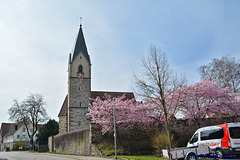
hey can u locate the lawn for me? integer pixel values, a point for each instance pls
(140, 157)
(150, 157)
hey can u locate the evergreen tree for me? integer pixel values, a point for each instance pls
(49, 129)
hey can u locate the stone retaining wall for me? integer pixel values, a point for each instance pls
(77, 142)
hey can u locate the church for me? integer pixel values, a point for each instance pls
(72, 115)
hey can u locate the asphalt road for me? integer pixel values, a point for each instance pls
(43, 156)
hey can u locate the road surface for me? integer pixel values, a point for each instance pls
(43, 156)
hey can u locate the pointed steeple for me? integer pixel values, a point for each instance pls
(80, 46)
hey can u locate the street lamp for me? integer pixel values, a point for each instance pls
(114, 124)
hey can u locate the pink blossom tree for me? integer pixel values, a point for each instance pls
(226, 104)
(206, 98)
(129, 113)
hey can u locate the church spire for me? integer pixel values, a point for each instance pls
(80, 46)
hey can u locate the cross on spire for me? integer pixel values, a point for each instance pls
(80, 21)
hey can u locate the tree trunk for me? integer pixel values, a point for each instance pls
(31, 143)
(169, 134)
(167, 128)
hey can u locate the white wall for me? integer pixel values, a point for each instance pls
(19, 135)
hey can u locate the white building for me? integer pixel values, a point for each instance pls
(12, 133)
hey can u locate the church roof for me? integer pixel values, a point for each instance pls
(80, 46)
(95, 94)
(63, 111)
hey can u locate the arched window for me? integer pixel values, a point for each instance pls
(80, 69)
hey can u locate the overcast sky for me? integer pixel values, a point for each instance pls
(36, 37)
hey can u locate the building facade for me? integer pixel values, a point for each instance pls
(12, 133)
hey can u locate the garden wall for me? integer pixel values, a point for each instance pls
(77, 142)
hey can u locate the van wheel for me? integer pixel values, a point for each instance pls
(219, 153)
(191, 156)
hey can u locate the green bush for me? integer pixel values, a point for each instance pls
(18, 144)
(161, 141)
(109, 148)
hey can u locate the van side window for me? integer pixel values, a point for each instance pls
(212, 134)
(234, 132)
(195, 138)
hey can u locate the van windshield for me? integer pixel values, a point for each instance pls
(234, 132)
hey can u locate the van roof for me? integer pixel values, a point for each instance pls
(209, 128)
(219, 126)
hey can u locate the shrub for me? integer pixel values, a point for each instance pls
(160, 141)
(109, 148)
(18, 144)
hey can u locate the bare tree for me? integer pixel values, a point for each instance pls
(159, 86)
(31, 112)
(226, 72)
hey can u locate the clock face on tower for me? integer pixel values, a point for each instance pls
(80, 75)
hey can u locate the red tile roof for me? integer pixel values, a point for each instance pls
(63, 111)
(5, 127)
(95, 94)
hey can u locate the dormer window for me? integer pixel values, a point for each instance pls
(80, 69)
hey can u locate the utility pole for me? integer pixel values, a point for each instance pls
(114, 124)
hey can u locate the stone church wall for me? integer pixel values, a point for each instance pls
(79, 91)
(79, 94)
(78, 119)
(62, 124)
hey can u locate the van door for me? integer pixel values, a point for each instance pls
(212, 137)
(194, 140)
(234, 135)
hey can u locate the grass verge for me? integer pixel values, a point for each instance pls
(32, 151)
(150, 157)
(58, 153)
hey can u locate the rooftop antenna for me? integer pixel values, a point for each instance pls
(80, 21)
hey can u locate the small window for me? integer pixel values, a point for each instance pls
(195, 138)
(23, 136)
(18, 136)
(24, 129)
(234, 132)
(80, 104)
(80, 69)
(79, 123)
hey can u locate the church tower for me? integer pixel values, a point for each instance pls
(79, 85)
